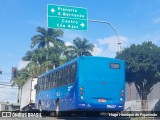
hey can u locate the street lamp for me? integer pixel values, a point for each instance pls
(119, 43)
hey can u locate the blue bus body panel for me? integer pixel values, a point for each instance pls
(65, 95)
(99, 83)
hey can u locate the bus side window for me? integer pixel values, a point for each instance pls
(67, 80)
(74, 68)
(42, 84)
(68, 70)
(65, 71)
(61, 74)
(70, 74)
(40, 80)
(58, 80)
(47, 80)
(61, 77)
(64, 77)
(52, 80)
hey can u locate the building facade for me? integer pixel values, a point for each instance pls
(133, 101)
(6, 106)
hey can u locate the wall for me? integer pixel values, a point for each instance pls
(133, 98)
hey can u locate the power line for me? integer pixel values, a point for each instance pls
(8, 87)
(7, 73)
(7, 84)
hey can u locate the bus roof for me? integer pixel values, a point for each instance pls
(74, 60)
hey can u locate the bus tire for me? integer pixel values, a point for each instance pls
(58, 113)
(40, 107)
(92, 114)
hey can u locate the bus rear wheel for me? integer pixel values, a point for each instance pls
(40, 107)
(58, 113)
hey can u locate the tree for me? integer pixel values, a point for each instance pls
(142, 67)
(69, 53)
(47, 38)
(79, 48)
(37, 55)
(56, 54)
(21, 77)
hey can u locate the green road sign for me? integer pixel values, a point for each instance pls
(67, 17)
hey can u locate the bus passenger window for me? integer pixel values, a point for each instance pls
(53, 83)
(74, 67)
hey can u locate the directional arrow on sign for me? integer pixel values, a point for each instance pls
(52, 10)
(82, 24)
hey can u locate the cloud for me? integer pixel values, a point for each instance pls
(68, 43)
(108, 46)
(101, 51)
(70, 35)
(22, 64)
(98, 50)
(8, 94)
(112, 41)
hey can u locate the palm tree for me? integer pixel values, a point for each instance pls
(79, 48)
(37, 55)
(21, 78)
(69, 53)
(47, 38)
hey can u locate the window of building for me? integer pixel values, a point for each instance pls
(6, 107)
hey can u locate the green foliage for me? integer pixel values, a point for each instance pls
(21, 77)
(81, 47)
(49, 51)
(142, 66)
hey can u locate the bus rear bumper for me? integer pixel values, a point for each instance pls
(100, 107)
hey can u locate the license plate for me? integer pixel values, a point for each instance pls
(101, 100)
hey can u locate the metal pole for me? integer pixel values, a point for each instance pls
(119, 43)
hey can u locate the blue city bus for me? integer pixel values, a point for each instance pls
(86, 83)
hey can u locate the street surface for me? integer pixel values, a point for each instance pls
(75, 118)
(66, 118)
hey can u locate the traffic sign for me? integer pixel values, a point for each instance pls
(67, 17)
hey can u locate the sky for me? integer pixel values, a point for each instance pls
(136, 21)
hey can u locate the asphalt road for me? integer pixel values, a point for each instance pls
(66, 118)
